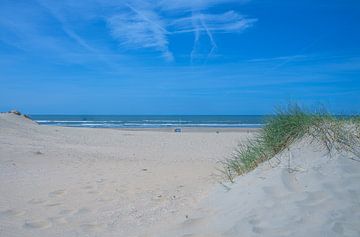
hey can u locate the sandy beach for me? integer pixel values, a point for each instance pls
(179, 118)
(58, 181)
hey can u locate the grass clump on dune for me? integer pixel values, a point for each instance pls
(288, 126)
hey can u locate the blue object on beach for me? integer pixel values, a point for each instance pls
(177, 130)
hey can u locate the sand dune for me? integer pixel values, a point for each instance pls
(302, 192)
(101, 182)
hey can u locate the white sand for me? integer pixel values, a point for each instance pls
(102, 182)
(313, 195)
(58, 181)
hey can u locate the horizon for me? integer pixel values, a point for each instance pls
(178, 58)
(164, 115)
(148, 114)
(159, 121)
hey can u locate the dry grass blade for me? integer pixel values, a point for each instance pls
(288, 126)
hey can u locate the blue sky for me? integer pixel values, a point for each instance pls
(178, 57)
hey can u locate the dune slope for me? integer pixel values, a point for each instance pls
(302, 192)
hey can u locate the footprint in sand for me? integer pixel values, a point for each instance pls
(93, 226)
(273, 191)
(36, 201)
(257, 230)
(254, 221)
(57, 193)
(88, 187)
(190, 222)
(275, 195)
(67, 212)
(91, 189)
(277, 231)
(37, 224)
(338, 228)
(59, 220)
(54, 204)
(289, 181)
(82, 211)
(12, 213)
(313, 199)
(105, 199)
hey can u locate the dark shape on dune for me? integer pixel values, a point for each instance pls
(13, 111)
(177, 130)
(16, 112)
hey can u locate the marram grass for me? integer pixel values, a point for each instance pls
(288, 126)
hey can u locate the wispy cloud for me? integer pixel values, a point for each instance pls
(227, 22)
(193, 5)
(149, 26)
(134, 25)
(210, 24)
(140, 28)
(66, 28)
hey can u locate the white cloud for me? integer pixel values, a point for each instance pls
(138, 28)
(193, 5)
(134, 24)
(142, 25)
(227, 22)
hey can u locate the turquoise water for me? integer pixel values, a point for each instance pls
(152, 121)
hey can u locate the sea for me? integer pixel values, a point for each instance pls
(152, 121)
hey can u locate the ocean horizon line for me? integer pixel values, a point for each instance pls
(152, 121)
(65, 114)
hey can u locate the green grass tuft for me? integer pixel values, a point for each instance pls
(289, 125)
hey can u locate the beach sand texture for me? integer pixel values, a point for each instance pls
(58, 181)
(301, 192)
